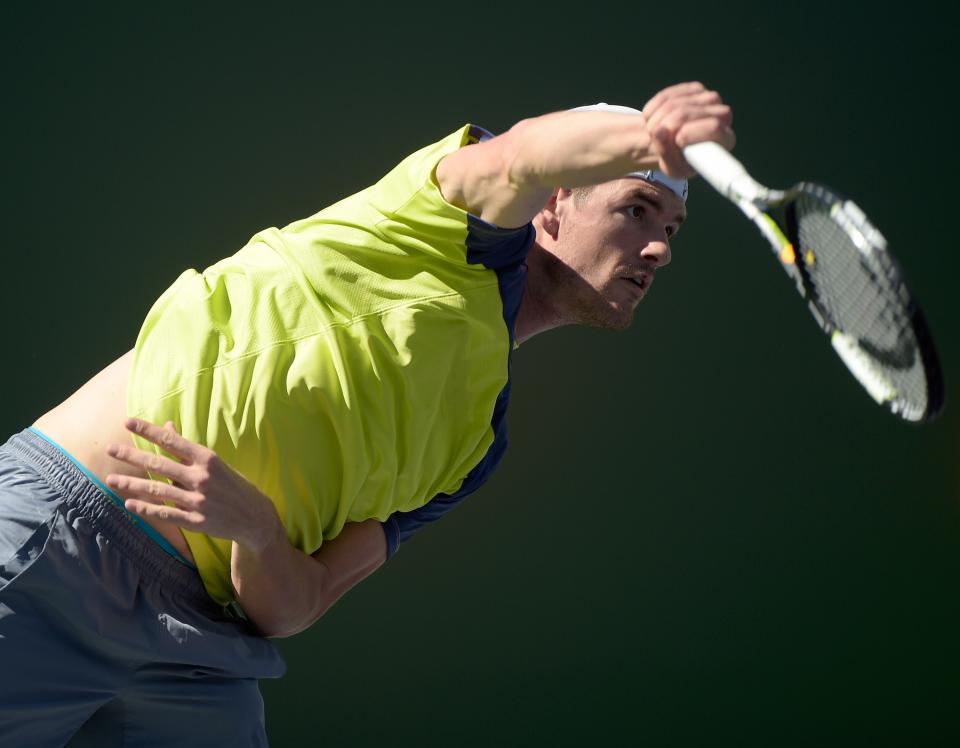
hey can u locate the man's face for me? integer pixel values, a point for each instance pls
(609, 243)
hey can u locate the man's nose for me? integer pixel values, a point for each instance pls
(656, 253)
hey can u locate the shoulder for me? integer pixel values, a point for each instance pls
(484, 180)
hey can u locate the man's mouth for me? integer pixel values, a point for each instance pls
(641, 281)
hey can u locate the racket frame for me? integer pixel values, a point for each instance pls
(730, 178)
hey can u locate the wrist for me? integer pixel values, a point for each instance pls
(265, 533)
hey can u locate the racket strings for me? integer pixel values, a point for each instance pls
(857, 290)
(852, 292)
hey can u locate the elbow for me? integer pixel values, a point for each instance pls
(279, 632)
(275, 632)
(287, 614)
(273, 625)
(283, 626)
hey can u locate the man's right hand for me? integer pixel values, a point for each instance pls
(682, 115)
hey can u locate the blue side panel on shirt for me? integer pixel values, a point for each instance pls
(505, 252)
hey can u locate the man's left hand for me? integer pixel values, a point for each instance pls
(206, 495)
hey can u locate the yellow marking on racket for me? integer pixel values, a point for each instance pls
(810, 257)
(788, 255)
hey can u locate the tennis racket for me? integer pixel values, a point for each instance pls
(852, 284)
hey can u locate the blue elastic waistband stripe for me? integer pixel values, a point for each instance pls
(138, 521)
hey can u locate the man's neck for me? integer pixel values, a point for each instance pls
(538, 312)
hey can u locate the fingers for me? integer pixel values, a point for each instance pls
(671, 119)
(697, 132)
(684, 108)
(672, 162)
(680, 89)
(152, 491)
(684, 114)
(167, 438)
(153, 463)
(185, 519)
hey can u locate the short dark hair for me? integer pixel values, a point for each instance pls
(582, 194)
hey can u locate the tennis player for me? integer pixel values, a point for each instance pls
(292, 414)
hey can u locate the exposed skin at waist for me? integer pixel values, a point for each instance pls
(93, 417)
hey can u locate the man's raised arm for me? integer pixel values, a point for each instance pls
(507, 180)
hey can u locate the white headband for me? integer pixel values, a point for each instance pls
(678, 187)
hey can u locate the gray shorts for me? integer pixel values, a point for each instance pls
(99, 625)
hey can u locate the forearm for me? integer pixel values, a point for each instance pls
(507, 180)
(283, 590)
(572, 149)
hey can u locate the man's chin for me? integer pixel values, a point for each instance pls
(609, 318)
(622, 324)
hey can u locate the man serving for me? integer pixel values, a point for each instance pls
(293, 413)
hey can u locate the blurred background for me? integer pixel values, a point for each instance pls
(704, 531)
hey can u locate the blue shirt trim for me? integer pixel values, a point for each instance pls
(151, 533)
(505, 252)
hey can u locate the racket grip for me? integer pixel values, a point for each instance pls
(728, 176)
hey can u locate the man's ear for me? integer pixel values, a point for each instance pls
(550, 213)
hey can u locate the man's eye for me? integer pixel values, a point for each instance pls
(636, 211)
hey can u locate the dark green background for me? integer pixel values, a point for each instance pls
(704, 532)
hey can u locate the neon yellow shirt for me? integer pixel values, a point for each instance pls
(349, 365)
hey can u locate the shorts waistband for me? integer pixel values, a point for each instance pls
(138, 521)
(86, 498)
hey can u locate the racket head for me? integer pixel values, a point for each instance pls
(856, 291)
